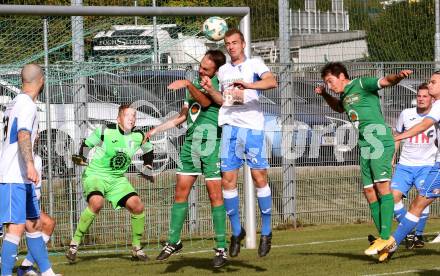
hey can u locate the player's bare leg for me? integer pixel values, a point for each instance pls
(47, 224)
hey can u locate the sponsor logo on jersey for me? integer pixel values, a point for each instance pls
(194, 111)
(119, 161)
(422, 138)
(351, 99)
(353, 115)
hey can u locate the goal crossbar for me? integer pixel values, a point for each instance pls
(48, 10)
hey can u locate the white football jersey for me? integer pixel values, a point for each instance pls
(20, 114)
(241, 108)
(38, 162)
(419, 150)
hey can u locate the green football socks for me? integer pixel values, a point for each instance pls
(219, 221)
(137, 228)
(375, 214)
(86, 219)
(386, 215)
(178, 215)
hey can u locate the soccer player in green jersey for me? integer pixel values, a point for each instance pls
(359, 99)
(104, 177)
(198, 155)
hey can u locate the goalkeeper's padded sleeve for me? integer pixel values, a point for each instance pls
(148, 159)
(82, 147)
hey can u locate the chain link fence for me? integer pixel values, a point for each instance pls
(314, 173)
(327, 187)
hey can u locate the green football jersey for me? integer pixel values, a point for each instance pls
(202, 123)
(361, 102)
(114, 149)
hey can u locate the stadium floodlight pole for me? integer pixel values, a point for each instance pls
(80, 97)
(437, 35)
(155, 59)
(245, 27)
(48, 121)
(135, 18)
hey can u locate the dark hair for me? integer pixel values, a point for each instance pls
(217, 57)
(234, 31)
(123, 107)
(335, 69)
(423, 85)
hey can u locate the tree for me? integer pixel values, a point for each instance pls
(403, 32)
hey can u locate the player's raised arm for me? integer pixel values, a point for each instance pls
(417, 129)
(215, 95)
(393, 79)
(196, 94)
(173, 122)
(267, 81)
(333, 102)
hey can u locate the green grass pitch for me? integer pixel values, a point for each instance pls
(314, 250)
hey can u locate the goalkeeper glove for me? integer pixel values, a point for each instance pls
(79, 160)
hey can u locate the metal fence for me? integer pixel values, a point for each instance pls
(314, 174)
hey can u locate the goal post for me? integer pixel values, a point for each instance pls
(245, 27)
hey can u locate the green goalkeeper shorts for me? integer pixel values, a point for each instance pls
(376, 166)
(113, 188)
(200, 157)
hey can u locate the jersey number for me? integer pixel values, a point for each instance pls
(5, 130)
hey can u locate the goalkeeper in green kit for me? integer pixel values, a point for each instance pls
(104, 177)
(359, 99)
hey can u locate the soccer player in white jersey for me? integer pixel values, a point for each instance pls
(413, 167)
(47, 222)
(431, 187)
(243, 138)
(18, 201)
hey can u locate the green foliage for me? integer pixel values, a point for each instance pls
(361, 12)
(403, 32)
(323, 5)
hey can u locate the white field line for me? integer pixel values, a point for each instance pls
(403, 272)
(88, 252)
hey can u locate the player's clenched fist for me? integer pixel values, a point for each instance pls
(32, 173)
(405, 73)
(206, 83)
(320, 90)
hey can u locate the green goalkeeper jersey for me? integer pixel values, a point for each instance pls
(202, 122)
(362, 104)
(114, 149)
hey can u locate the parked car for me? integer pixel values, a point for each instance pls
(66, 137)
